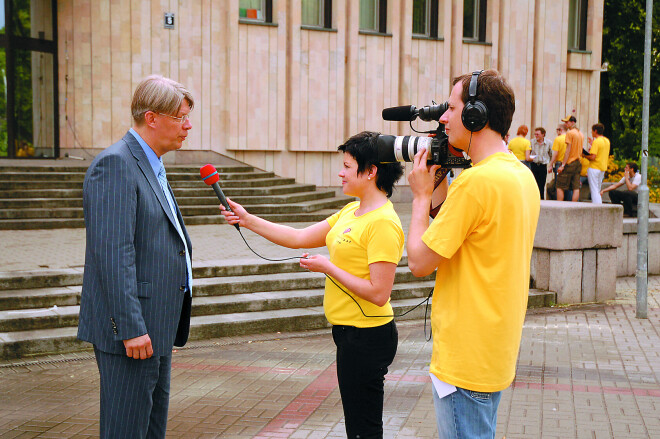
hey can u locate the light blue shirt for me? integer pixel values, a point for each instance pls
(156, 162)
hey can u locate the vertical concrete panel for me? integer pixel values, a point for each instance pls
(540, 268)
(566, 275)
(589, 275)
(82, 112)
(605, 274)
(632, 254)
(101, 74)
(654, 253)
(622, 257)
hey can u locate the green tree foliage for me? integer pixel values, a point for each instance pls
(621, 86)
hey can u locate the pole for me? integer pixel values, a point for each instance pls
(643, 200)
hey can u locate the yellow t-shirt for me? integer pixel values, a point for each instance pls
(355, 242)
(559, 145)
(485, 230)
(518, 146)
(585, 165)
(601, 147)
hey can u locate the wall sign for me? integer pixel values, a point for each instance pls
(169, 20)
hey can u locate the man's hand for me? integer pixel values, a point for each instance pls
(139, 347)
(422, 176)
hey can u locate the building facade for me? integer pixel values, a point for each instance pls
(279, 84)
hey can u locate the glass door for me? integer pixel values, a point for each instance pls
(28, 64)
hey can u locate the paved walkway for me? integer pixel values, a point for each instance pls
(584, 372)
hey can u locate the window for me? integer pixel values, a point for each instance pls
(577, 24)
(256, 10)
(474, 20)
(425, 18)
(317, 13)
(373, 15)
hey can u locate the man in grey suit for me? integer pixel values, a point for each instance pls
(137, 283)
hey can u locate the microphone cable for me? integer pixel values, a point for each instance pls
(426, 300)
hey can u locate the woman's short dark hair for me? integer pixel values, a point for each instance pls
(362, 147)
(494, 91)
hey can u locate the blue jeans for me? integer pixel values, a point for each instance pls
(466, 414)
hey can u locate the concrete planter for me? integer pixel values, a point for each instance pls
(575, 251)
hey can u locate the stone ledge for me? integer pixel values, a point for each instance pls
(582, 225)
(630, 225)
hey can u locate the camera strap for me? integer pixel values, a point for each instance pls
(440, 175)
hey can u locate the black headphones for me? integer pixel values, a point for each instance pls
(475, 112)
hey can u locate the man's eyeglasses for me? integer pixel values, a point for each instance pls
(181, 119)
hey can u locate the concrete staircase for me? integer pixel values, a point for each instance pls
(39, 309)
(49, 197)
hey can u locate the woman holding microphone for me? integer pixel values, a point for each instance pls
(365, 242)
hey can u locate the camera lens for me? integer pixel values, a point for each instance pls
(401, 148)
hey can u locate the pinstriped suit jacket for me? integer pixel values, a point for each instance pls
(135, 265)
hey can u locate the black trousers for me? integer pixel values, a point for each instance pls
(363, 355)
(540, 172)
(627, 198)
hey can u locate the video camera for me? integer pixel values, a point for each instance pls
(404, 148)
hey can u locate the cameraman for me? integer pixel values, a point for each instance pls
(481, 244)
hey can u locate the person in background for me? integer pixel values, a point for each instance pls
(365, 241)
(629, 196)
(568, 174)
(540, 154)
(520, 146)
(484, 228)
(558, 149)
(598, 155)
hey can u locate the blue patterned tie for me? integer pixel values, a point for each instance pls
(162, 179)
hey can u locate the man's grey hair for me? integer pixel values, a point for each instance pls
(160, 95)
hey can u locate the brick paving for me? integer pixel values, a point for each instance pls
(589, 371)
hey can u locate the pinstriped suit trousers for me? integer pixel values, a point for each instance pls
(138, 411)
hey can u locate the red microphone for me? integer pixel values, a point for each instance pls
(210, 176)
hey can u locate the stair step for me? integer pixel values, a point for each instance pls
(83, 169)
(254, 182)
(39, 298)
(224, 176)
(58, 316)
(42, 193)
(38, 213)
(32, 203)
(42, 223)
(20, 344)
(44, 278)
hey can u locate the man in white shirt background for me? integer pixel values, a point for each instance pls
(628, 197)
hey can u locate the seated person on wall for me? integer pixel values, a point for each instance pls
(628, 196)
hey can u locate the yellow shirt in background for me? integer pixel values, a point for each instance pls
(518, 146)
(485, 230)
(559, 145)
(601, 147)
(355, 242)
(585, 165)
